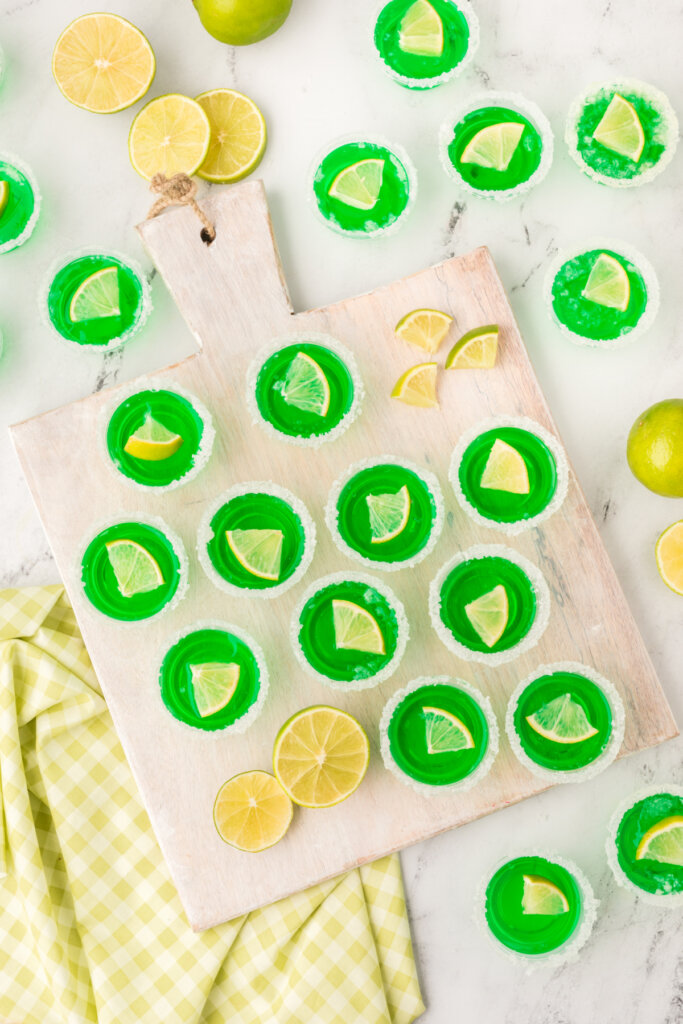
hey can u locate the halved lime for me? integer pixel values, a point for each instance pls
(96, 297)
(421, 30)
(213, 685)
(425, 328)
(445, 733)
(152, 442)
(417, 386)
(4, 195)
(663, 842)
(542, 897)
(620, 129)
(238, 135)
(136, 571)
(356, 629)
(608, 283)
(489, 614)
(389, 514)
(359, 185)
(305, 386)
(257, 551)
(562, 720)
(505, 470)
(252, 811)
(669, 556)
(494, 146)
(476, 350)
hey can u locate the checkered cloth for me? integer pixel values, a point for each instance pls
(91, 927)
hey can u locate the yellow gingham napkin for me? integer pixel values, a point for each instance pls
(91, 927)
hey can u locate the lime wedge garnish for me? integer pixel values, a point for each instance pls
(97, 296)
(493, 146)
(214, 684)
(306, 386)
(669, 556)
(505, 470)
(542, 897)
(135, 570)
(425, 328)
(417, 386)
(608, 283)
(488, 614)
(257, 551)
(663, 842)
(562, 720)
(389, 514)
(421, 31)
(356, 629)
(152, 441)
(620, 129)
(476, 350)
(4, 195)
(359, 184)
(445, 733)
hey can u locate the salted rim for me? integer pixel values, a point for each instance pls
(569, 950)
(628, 252)
(613, 746)
(484, 766)
(374, 140)
(246, 719)
(667, 131)
(622, 879)
(523, 106)
(403, 630)
(19, 165)
(531, 427)
(205, 535)
(313, 338)
(203, 453)
(146, 304)
(332, 512)
(157, 523)
(537, 581)
(466, 9)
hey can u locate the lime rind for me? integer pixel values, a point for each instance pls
(669, 900)
(23, 236)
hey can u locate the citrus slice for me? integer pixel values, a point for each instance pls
(445, 733)
(542, 897)
(4, 196)
(476, 350)
(494, 146)
(421, 31)
(505, 470)
(356, 629)
(669, 555)
(96, 297)
(252, 811)
(169, 135)
(608, 283)
(214, 685)
(562, 720)
(489, 614)
(135, 570)
(425, 328)
(257, 551)
(320, 757)
(238, 135)
(389, 514)
(152, 442)
(663, 842)
(417, 386)
(306, 386)
(620, 129)
(103, 63)
(359, 185)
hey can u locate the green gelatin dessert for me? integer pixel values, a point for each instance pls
(622, 133)
(645, 844)
(364, 187)
(498, 146)
(158, 437)
(19, 204)
(213, 677)
(133, 570)
(386, 512)
(97, 300)
(423, 43)
(349, 631)
(438, 734)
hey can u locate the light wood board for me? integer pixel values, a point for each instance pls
(234, 299)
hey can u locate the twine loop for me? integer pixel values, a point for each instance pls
(179, 190)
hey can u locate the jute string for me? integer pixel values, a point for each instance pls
(179, 190)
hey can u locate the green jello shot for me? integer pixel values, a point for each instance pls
(424, 43)
(20, 203)
(645, 844)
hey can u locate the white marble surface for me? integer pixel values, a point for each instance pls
(314, 80)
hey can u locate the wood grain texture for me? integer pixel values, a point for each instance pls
(234, 300)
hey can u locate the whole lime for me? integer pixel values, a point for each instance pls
(240, 22)
(655, 448)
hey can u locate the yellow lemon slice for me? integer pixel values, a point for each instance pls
(620, 129)
(356, 629)
(425, 328)
(476, 350)
(213, 684)
(257, 551)
(494, 146)
(359, 185)
(136, 571)
(663, 842)
(252, 811)
(445, 733)
(505, 470)
(562, 720)
(417, 386)
(169, 135)
(489, 614)
(388, 514)
(421, 31)
(608, 283)
(669, 556)
(542, 897)
(152, 442)
(238, 135)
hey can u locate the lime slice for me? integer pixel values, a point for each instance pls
(97, 296)
(359, 184)
(213, 685)
(321, 755)
(257, 551)
(238, 135)
(493, 146)
(663, 842)
(505, 470)
(542, 897)
(4, 195)
(669, 556)
(620, 129)
(135, 570)
(445, 734)
(562, 720)
(417, 386)
(421, 31)
(355, 629)
(608, 283)
(476, 350)
(489, 614)
(170, 134)
(425, 328)
(389, 514)
(152, 442)
(252, 811)
(306, 386)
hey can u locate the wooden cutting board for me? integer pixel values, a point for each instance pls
(234, 299)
